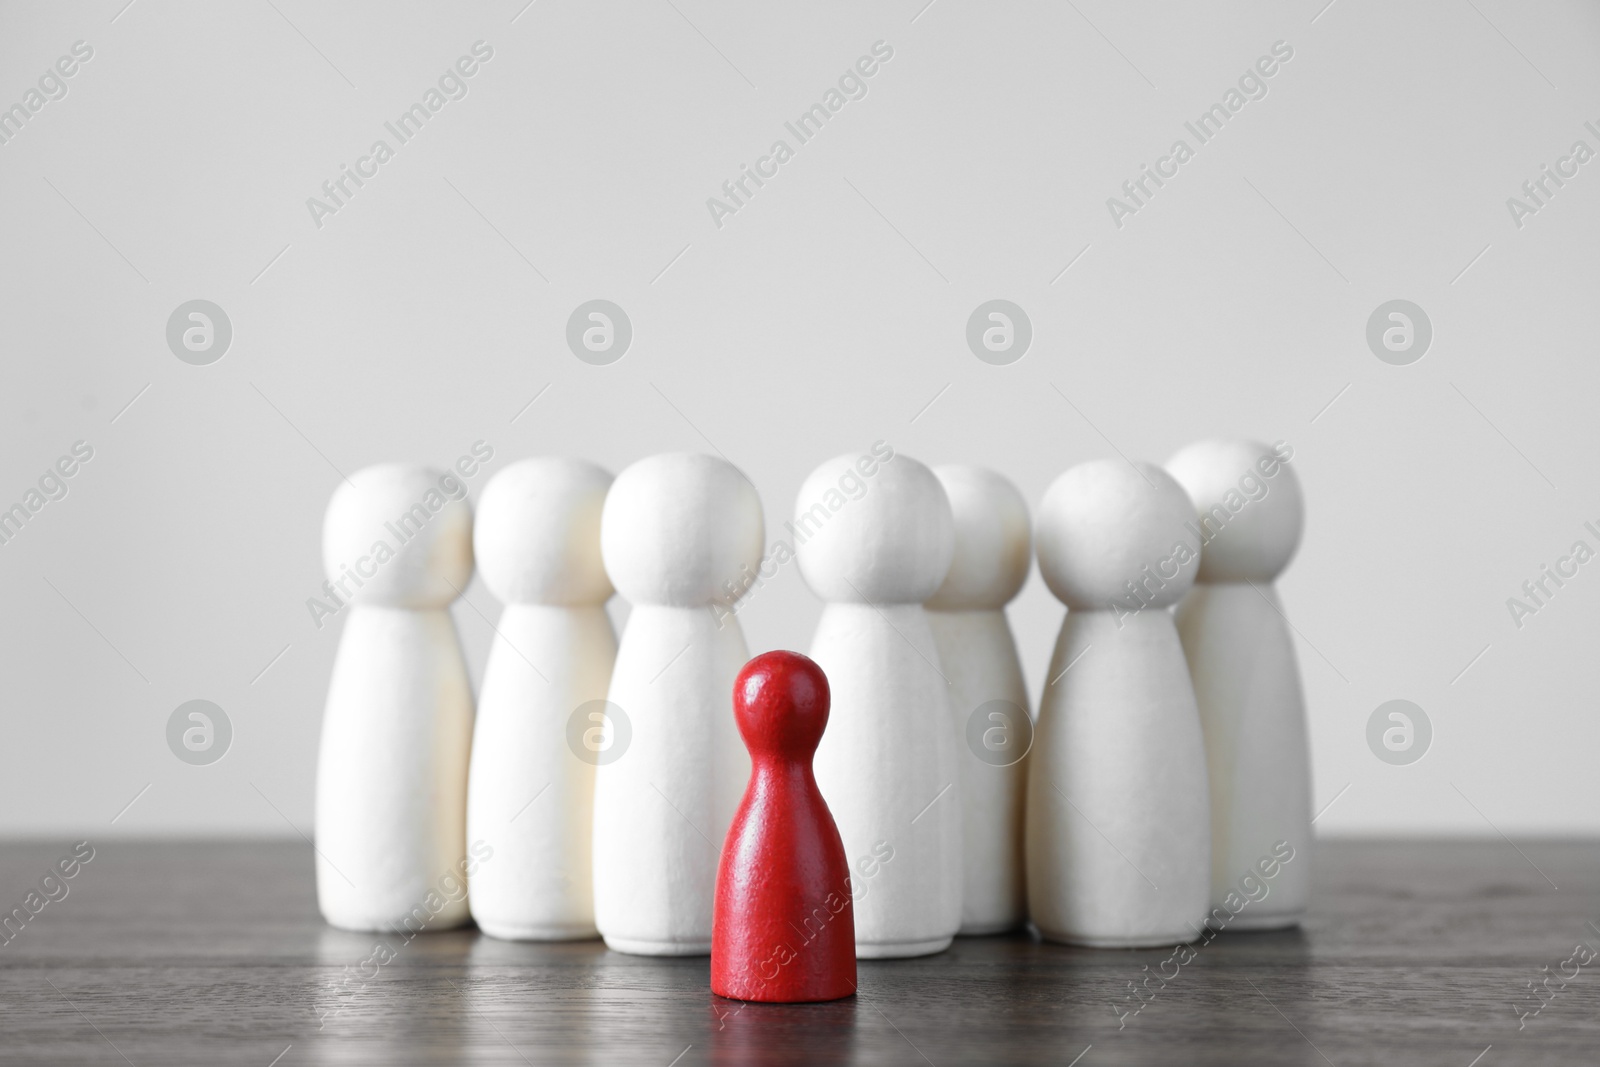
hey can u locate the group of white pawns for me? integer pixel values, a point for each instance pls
(1169, 755)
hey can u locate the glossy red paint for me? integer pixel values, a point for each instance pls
(783, 929)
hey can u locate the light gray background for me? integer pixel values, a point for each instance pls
(828, 313)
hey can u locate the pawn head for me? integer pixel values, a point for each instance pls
(1248, 505)
(1107, 524)
(678, 528)
(399, 534)
(780, 701)
(884, 537)
(537, 536)
(994, 540)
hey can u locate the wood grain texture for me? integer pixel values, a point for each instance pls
(212, 953)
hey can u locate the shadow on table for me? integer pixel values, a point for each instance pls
(799, 1034)
(578, 1002)
(381, 990)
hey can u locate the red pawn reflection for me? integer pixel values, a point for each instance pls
(782, 929)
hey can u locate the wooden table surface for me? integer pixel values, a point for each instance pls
(212, 953)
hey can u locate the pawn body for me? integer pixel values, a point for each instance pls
(888, 765)
(1118, 832)
(675, 529)
(978, 654)
(1241, 656)
(784, 930)
(392, 764)
(530, 794)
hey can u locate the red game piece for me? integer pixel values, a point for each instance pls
(782, 929)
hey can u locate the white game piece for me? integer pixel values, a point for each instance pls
(392, 767)
(1249, 513)
(1118, 838)
(675, 529)
(978, 654)
(530, 793)
(878, 539)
